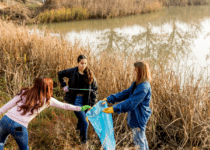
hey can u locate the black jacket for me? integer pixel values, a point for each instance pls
(73, 75)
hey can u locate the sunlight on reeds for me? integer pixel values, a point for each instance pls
(106, 8)
(79, 10)
(181, 111)
(63, 14)
(65, 10)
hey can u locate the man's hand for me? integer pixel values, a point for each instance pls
(108, 110)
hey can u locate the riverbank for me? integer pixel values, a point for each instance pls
(71, 10)
(19, 12)
(178, 121)
(33, 12)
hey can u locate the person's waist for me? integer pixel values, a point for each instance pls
(18, 120)
(80, 94)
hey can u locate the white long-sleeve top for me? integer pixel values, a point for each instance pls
(12, 109)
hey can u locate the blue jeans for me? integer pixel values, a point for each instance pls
(82, 124)
(18, 131)
(139, 139)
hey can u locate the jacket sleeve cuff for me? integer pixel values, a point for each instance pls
(115, 108)
(109, 101)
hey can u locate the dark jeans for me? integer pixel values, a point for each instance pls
(18, 131)
(82, 124)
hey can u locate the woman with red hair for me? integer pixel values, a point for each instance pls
(25, 106)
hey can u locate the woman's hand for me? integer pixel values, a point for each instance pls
(108, 110)
(104, 99)
(65, 89)
(83, 108)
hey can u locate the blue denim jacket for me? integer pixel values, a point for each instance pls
(136, 104)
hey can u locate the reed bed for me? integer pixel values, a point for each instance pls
(183, 2)
(178, 121)
(63, 14)
(64, 10)
(87, 9)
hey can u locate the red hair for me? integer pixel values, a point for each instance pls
(143, 72)
(36, 96)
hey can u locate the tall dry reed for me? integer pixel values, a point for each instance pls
(178, 119)
(117, 8)
(183, 2)
(106, 8)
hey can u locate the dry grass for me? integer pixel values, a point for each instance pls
(65, 10)
(100, 8)
(63, 14)
(19, 12)
(177, 122)
(183, 2)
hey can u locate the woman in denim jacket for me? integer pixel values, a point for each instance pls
(135, 100)
(80, 77)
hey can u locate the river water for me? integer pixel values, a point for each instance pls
(178, 34)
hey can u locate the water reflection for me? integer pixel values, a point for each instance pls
(112, 40)
(191, 14)
(173, 41)
(178, 33)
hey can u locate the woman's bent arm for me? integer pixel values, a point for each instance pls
(61, 75)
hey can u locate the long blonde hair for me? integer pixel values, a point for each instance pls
(143, 72)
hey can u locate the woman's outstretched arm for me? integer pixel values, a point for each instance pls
(55, 103)
(9, 104)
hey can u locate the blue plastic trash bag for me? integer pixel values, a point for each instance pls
(103, 125)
